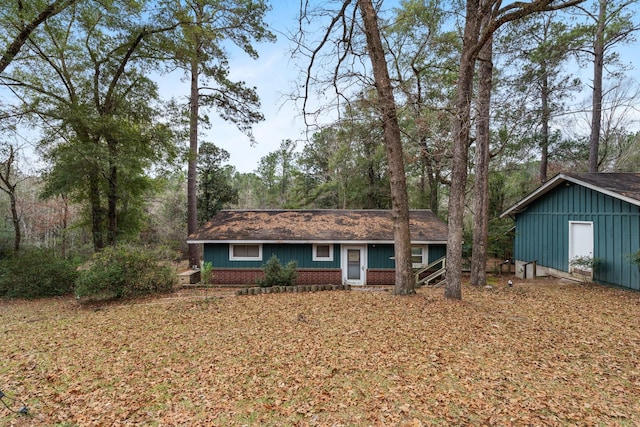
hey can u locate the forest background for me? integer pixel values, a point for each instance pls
(98, 129)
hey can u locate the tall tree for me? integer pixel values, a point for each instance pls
(618, 141)
(494, 15)
(9, 180)
(345, 164)
(343, 36)
(542, 44)
(423, 63)
(214, 183)
(482, 157)
(84, 80)
(276, 172)
(610, 24)
(404, 280)
(199, 50)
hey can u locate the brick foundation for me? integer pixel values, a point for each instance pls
(319, 277)
(381, 277)
(249, 277)
(246, 277)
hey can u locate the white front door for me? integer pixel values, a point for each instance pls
(580, 241)
(354, 265)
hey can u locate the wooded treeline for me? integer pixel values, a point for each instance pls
(488, 107)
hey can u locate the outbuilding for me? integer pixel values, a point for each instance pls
(580, 216)
(330, 246)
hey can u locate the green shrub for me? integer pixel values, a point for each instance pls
(277, 275)
(206, 273)
(586, 266)
(124, 271)
(36, 273)
(634, 258)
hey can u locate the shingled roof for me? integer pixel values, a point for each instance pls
(322, 225)
(623, 186)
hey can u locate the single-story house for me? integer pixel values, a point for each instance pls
(330, 246)
(580, 215)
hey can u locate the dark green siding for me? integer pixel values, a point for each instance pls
(218, 255)
(436, 252)
(542, 232)
(380, 256)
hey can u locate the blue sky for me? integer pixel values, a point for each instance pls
(274, 74)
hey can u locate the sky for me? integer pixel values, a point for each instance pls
(274, 75)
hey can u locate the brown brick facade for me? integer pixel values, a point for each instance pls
(224, 276)
(319, 277)
(381, 277)
(228, 276)
(305, 276)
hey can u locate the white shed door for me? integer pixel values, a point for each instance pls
(580, 240)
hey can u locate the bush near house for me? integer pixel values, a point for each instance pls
(36, 273)
(585, 266)
(124, 271)
(277, 275)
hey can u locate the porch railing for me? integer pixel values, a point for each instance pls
(437, 276)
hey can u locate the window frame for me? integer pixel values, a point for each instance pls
(246, 258)
(423, 253)
(314, 255)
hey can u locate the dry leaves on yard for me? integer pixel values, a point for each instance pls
(540, 353)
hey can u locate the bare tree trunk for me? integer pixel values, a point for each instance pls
(112, 197)
(461, 130)
(192, 188)
(544, 144)
(472, 43)
(9, 187)
(598, 66)
(65, 222)
(15, 219)
(481, 202)
(404, 279)
(96, 213)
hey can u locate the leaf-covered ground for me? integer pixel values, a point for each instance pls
(539, 353)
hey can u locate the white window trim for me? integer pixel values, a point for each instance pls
(316, 258)
(232, 258)
(425, 255)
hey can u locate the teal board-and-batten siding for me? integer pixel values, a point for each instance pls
(436, 252)
(542, 232)
(382, 256)
(218, 255)
(378, 255)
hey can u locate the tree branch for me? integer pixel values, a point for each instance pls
(26, 30)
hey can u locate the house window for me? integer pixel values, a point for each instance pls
(249, 252)
(322, 252)
(418, 258)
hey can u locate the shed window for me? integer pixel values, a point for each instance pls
(249, 252)
(322, 252)
(418, 257)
